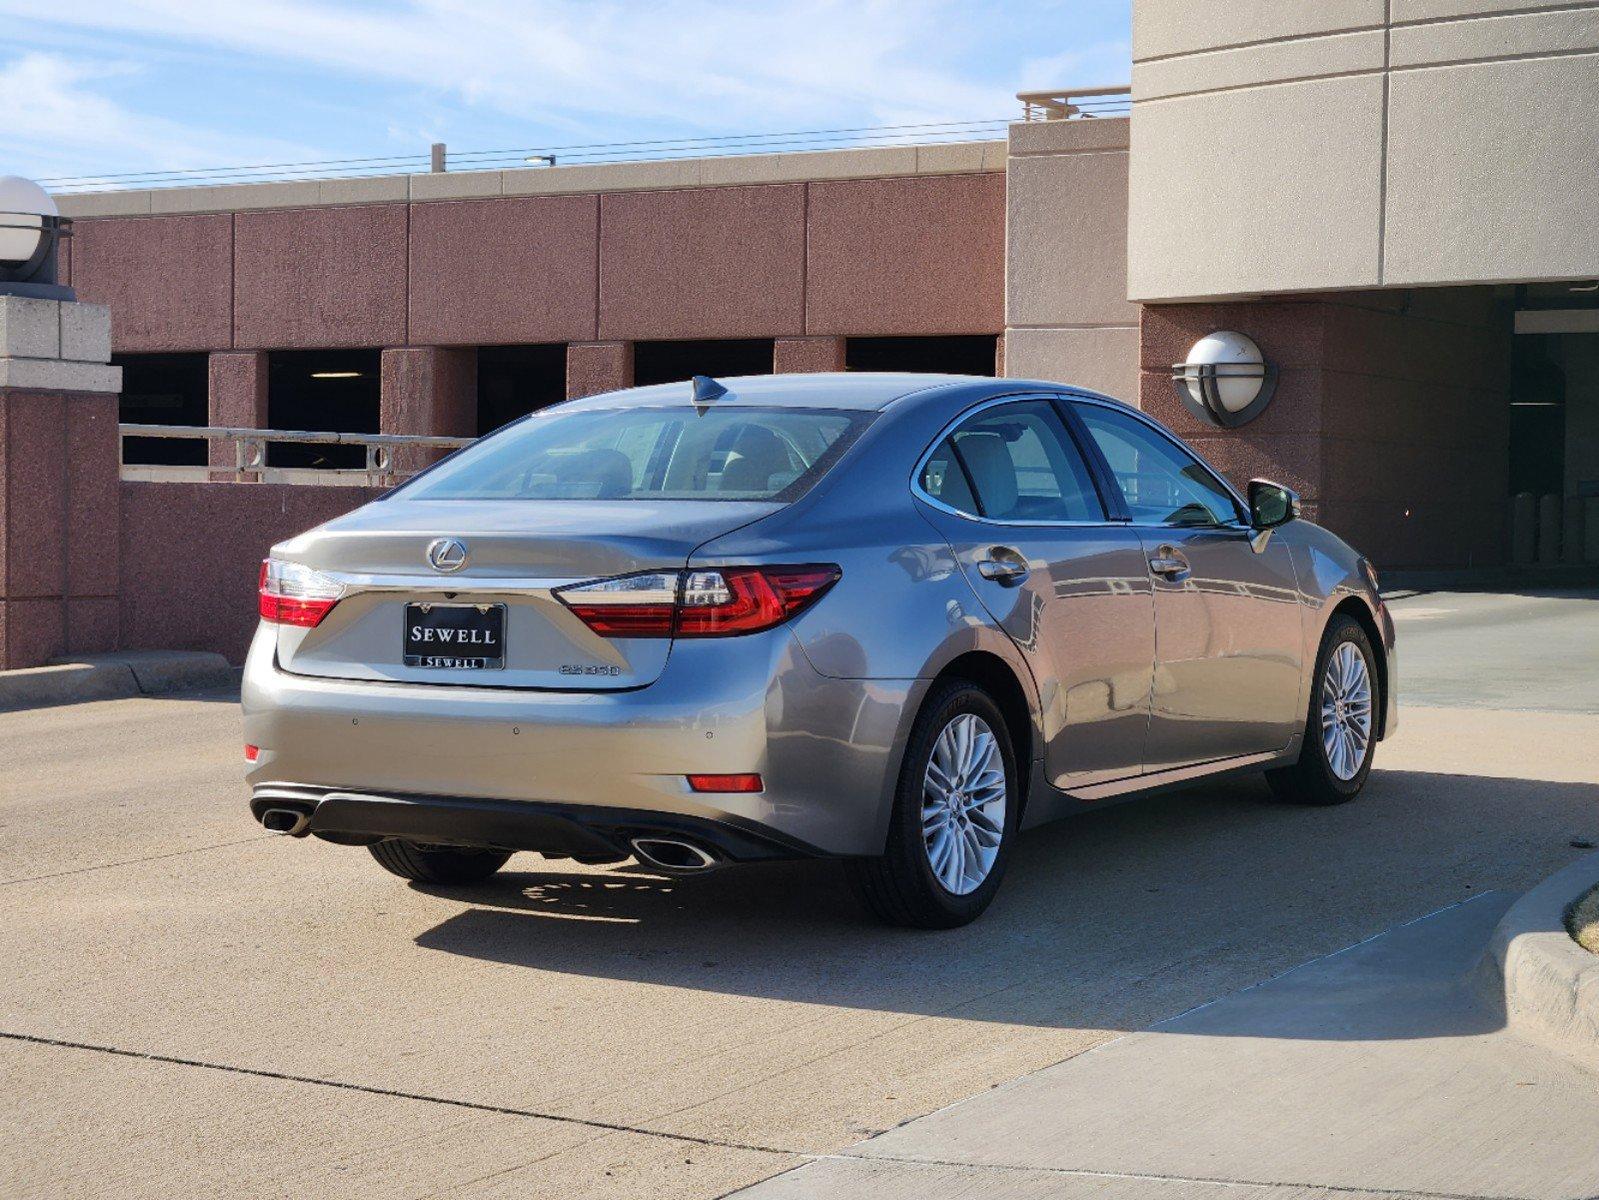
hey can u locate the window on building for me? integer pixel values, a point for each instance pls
(1538, 413)
(164, 389)
(967, 354)
(323, 391)
(668, 362)
(513, 381)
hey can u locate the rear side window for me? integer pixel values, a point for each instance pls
(731, 453)
(1014, 462)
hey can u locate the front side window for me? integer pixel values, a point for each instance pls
(1162, 484)
(1013, 462)
(732, 453)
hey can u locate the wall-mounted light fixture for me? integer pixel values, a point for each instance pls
(1225, 380)
(31, 229)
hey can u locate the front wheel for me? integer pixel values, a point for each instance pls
(954, 817)
(437, 864)
(1340, 734)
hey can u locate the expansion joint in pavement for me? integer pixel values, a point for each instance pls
(132, 862)
(1265, 1185)
(475, 1106)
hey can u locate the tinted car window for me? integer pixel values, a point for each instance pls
(1014, 462)
(732, 453)
(1161, 483)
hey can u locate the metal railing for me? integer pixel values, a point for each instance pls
(1062, 104)
(382, 468)
(1051, 105)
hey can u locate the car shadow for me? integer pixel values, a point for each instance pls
(1114, 919)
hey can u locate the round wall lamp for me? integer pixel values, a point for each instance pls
(31, 229)
(1225, 380)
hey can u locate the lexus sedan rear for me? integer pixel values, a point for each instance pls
(890, 619)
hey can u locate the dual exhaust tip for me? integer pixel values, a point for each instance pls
(670, 854)
(290, 822)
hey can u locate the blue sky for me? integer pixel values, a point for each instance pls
(92, 87)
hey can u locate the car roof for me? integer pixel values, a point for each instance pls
(870, 390)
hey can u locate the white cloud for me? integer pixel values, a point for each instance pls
(56, 120)
(566, 71)
(696, 63)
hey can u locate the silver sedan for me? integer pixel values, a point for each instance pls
(892, 619)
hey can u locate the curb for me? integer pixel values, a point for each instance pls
(1550, 985)
(114, 677)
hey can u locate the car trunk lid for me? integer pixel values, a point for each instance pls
(517, 552)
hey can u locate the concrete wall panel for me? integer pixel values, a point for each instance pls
(1102, 360)
(1514, 197)
(1247, 66)
(1261, 190)
(1496, 37)
(168, 280)
(1067, 240)
(1162, 27)
(713, 262)
(1431, 10)
(504, 272)
(320, 277)
(906, 256)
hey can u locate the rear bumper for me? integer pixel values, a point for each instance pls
(592, 833)
(546, 770)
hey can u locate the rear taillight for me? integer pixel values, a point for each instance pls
(724, 783)
(695, 604)
(641, 606)
(292, 594)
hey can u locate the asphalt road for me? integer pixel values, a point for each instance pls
(192, 1008)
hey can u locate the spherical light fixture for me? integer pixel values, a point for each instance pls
(1225, 380)
(31, 229)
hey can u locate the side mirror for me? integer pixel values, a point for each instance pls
(1271, 504)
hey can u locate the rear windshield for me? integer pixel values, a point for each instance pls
(648, 454)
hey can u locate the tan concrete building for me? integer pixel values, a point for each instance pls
(1399, 199)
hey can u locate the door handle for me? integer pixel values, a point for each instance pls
(1003, 565)
(1169, 564)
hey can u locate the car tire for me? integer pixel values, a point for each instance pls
(902, 886)
(1324, 776)
(437, 864)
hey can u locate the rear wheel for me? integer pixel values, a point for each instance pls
(954, 816)
(437, 864)
(1341, 731)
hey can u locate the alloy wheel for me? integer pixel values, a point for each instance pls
(1346, 711)
(964, 795)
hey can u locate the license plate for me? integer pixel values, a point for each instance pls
(469, 637)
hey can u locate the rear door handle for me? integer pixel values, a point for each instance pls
(1169, 564)
(1003, 565)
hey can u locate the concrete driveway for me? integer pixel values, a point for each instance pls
(191, 1008)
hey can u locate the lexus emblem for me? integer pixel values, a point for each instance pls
(447, 554)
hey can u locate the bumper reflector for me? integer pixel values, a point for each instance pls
(725, 783)
(251, 753)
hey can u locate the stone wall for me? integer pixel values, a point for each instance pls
(191, 556)
(1391, 415)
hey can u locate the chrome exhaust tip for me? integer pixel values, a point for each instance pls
(669, 854)
(287, 821)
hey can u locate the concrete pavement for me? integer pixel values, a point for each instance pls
(193, 1008)
(1377, 1071)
